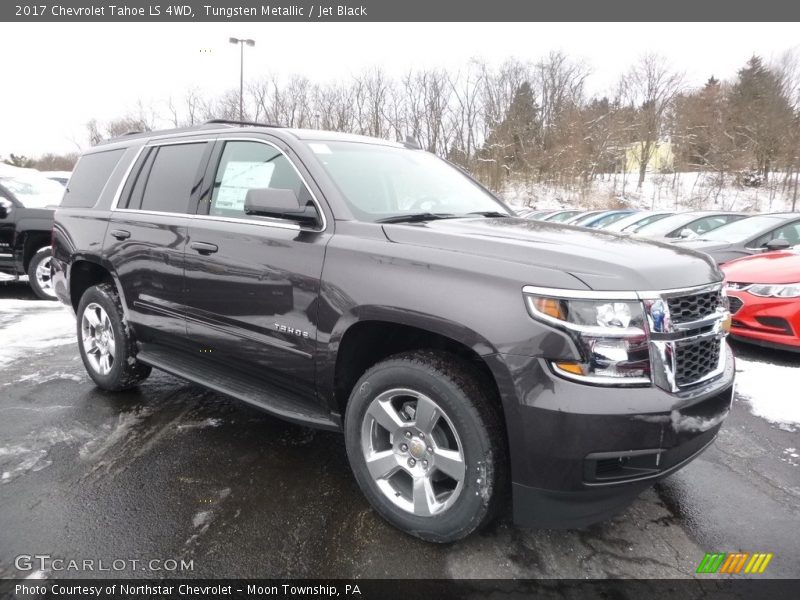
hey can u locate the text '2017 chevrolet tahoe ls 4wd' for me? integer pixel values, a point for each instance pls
(360, 285)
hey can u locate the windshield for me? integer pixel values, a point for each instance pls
(743, 229)
(33, 190)
(380, 182)
(634, 222)
(667, 224)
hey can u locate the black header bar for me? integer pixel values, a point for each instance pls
(181, 11)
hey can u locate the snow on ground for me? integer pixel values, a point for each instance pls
(771, 391)
(674, 191)
(27, 327)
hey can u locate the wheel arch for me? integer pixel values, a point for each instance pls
(370, 335)
(86, 271)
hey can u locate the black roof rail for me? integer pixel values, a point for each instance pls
(240, 123)
(131, 133)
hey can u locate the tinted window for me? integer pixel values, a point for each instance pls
(90, 177)
(173, 177)
(134, 187)
(251, 165)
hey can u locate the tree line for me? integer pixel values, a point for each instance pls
(533, 121)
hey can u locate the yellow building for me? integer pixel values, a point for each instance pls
(661, 159)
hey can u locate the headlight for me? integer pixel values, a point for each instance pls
(786, 290)
(609, 334)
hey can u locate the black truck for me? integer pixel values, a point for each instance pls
(27, 203)
(470, 358)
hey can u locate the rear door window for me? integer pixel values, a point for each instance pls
(174, 176)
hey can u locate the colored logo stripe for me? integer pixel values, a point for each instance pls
(733, 563)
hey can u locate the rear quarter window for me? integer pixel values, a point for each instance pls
(89, 178)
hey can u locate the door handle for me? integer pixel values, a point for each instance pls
(204, 247)
(120, 234)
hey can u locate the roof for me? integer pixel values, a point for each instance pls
(221, 126)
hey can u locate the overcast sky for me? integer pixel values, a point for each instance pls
(58, 76)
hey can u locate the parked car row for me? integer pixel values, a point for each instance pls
(759, 254)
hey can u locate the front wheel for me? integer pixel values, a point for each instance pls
(107, 349)
(426, 444)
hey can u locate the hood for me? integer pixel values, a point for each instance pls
(770, 267)
(603, 261)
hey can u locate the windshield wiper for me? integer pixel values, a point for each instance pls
(416, 217)
(488, 213)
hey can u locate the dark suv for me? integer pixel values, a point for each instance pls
(27, 203)
(368, 287)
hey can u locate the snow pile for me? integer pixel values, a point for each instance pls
(770, 391)
(29, 326)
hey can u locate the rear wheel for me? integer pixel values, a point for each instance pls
(39, 276)
(426, 444)
(107, 349)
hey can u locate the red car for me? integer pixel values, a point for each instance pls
(764, 293)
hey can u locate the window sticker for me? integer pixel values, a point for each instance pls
(237, 179)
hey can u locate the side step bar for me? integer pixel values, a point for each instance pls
(225, 381)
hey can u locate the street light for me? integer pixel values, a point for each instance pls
(241, 43)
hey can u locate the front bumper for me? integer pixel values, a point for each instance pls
(772, 322)
(581, 453)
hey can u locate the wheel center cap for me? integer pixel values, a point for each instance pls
(416, 448)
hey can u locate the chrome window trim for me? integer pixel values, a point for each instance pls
(278, 224)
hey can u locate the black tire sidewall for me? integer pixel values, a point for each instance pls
(472, 506)
(40, 256)
(113, 380)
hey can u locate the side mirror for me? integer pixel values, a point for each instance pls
(279, 204)
(777, 244)
(686, 233)
(5, 208)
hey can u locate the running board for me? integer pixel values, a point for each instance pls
(270, 399)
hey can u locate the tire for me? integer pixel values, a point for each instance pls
(107, 348)
(397, 394)
(39, 275)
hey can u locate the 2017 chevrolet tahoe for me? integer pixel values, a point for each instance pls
(470, 358)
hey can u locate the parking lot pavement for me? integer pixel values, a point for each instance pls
(170, 471)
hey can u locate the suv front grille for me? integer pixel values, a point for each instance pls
(696, 359)
(685, 309)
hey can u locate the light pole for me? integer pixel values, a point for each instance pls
(241, 43)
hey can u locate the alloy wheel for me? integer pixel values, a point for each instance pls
(97, 337)
(413, 452)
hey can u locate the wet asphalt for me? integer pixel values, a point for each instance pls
(171, 471)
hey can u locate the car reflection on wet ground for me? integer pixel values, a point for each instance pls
(169, 470)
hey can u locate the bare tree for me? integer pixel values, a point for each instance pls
(649, 87)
